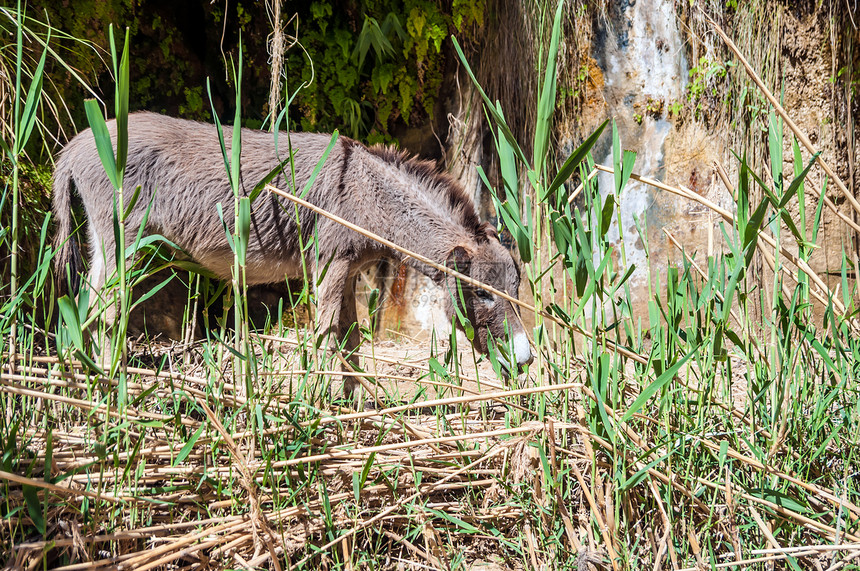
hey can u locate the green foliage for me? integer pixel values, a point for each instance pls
(369, 68)
(704, 76)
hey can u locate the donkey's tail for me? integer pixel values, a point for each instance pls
(68, 263)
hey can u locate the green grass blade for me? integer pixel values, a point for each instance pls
(189, 446)
(272, 174)
(122, 90)
(606, 214)
(546, 104)
(135, 195)
(462, 525)
(658, 384)
(319, 164)
(573, 161)
(508, 168)
(219, 128)
(796, 186)
(616, 156)
(103, 141)
(800, 189)
(152, 291)
(69, 314)
(243, 232)
(34, 508)
(627, 161)
(28, 117)
(236, 141)
(819, 211)
(220, 210)
(774, 143)
(489, 105)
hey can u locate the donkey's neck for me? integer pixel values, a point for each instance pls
(428, 234)
(437, 250)
(419, 214)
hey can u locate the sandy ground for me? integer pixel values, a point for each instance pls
(401, 365)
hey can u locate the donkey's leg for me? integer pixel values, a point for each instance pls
(350, 337)
(330, 292)
(101, 266)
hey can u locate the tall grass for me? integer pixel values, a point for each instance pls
(24, 119)
(698, 435)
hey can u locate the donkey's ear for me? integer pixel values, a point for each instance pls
(487, 230)
(460, 260)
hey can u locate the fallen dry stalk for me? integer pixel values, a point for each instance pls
(64, 491)
(395, 507)
(338, 454)
(783, 512)
(783, 553)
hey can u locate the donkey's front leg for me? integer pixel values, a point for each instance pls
(336, 312)
(102, 265)
(349, 335)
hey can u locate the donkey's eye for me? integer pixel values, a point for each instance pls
(484, 295)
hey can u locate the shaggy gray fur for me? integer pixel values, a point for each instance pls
(178, 165)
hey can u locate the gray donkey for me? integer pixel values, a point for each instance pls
(179, 167)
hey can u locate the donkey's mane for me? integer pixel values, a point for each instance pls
(440, 183)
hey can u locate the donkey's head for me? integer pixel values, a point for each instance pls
(488, 262)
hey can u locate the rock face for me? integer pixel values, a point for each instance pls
(682, 106)
(644, 70)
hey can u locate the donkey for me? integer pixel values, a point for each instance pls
(178, 166)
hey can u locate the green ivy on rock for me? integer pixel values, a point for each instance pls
(371, 64)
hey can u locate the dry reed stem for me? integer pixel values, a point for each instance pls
(694, 545)
(763, 527)
(785, 552)
(338, 454)
(837, 502)
(11, 388)
(854, 511)
(140, 559)
(581, 186)
(827, 202)
(784, 512)
(139, 533)
(661, 551)
(844, 562)
(589, 497)
(407, 426)
(806, 269)
(260, 524)
(425, 370)
(398, 505)
(832, 207)
(413, 548)
(236, 399)
(168, 375)
(416, 366)
(785, 117)
(189, 546)
(494, 396)
(64, 491)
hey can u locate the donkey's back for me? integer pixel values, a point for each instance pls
(179, 168)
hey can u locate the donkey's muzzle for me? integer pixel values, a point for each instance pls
(522, 350)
